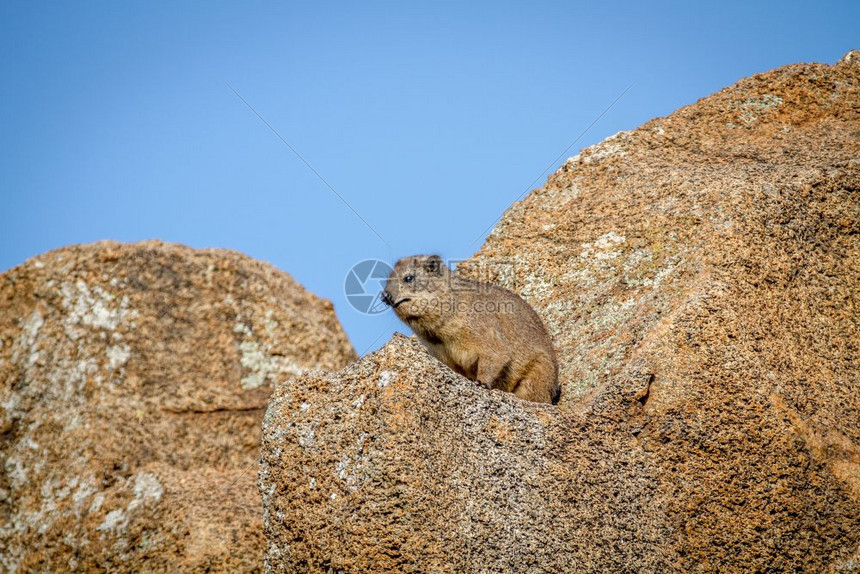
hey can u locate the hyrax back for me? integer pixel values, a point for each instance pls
(481, 331)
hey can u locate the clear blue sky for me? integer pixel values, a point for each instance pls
(428, 118)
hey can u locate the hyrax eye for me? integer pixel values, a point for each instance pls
(408, 278)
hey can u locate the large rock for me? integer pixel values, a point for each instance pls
(133, 380)
(700, 277)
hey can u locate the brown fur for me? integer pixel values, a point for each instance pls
(485, 333)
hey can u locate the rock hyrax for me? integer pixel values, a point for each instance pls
(485, 333)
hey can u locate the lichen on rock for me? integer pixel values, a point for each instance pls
(127, 421)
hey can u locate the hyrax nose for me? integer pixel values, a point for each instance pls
(386, 298)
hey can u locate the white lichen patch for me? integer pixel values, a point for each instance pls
(256, 362)
(260, 365)
(68, 378)
(115, 520)
(25, 350)
(609, 240)
(92, 308)
(342, 468)
(28, 340)
(258, 358)
(536, 287)
(556, 316)
(16, 472)
(613, 314)
(147, 489)
(85, 489)
(519, 275)
(750, 109)
(347, 470)
(306, 436)
(851, 57)
(118, 356)
(53, 491)
(97, 502)
(571, 191)
(11, 404)
(658, 279)
(634, 260)
(385, 378)
(270, 324)
(577, 274)
(611, 146)
(603, 247)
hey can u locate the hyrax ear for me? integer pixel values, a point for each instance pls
(433, 265)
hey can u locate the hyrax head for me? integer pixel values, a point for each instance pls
(415, 285)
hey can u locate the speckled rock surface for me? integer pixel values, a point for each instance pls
(133, 380)
(416, 469)
(700, 277)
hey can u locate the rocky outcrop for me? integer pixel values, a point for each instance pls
(416, 469)
(699, 276)
(133, 380)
